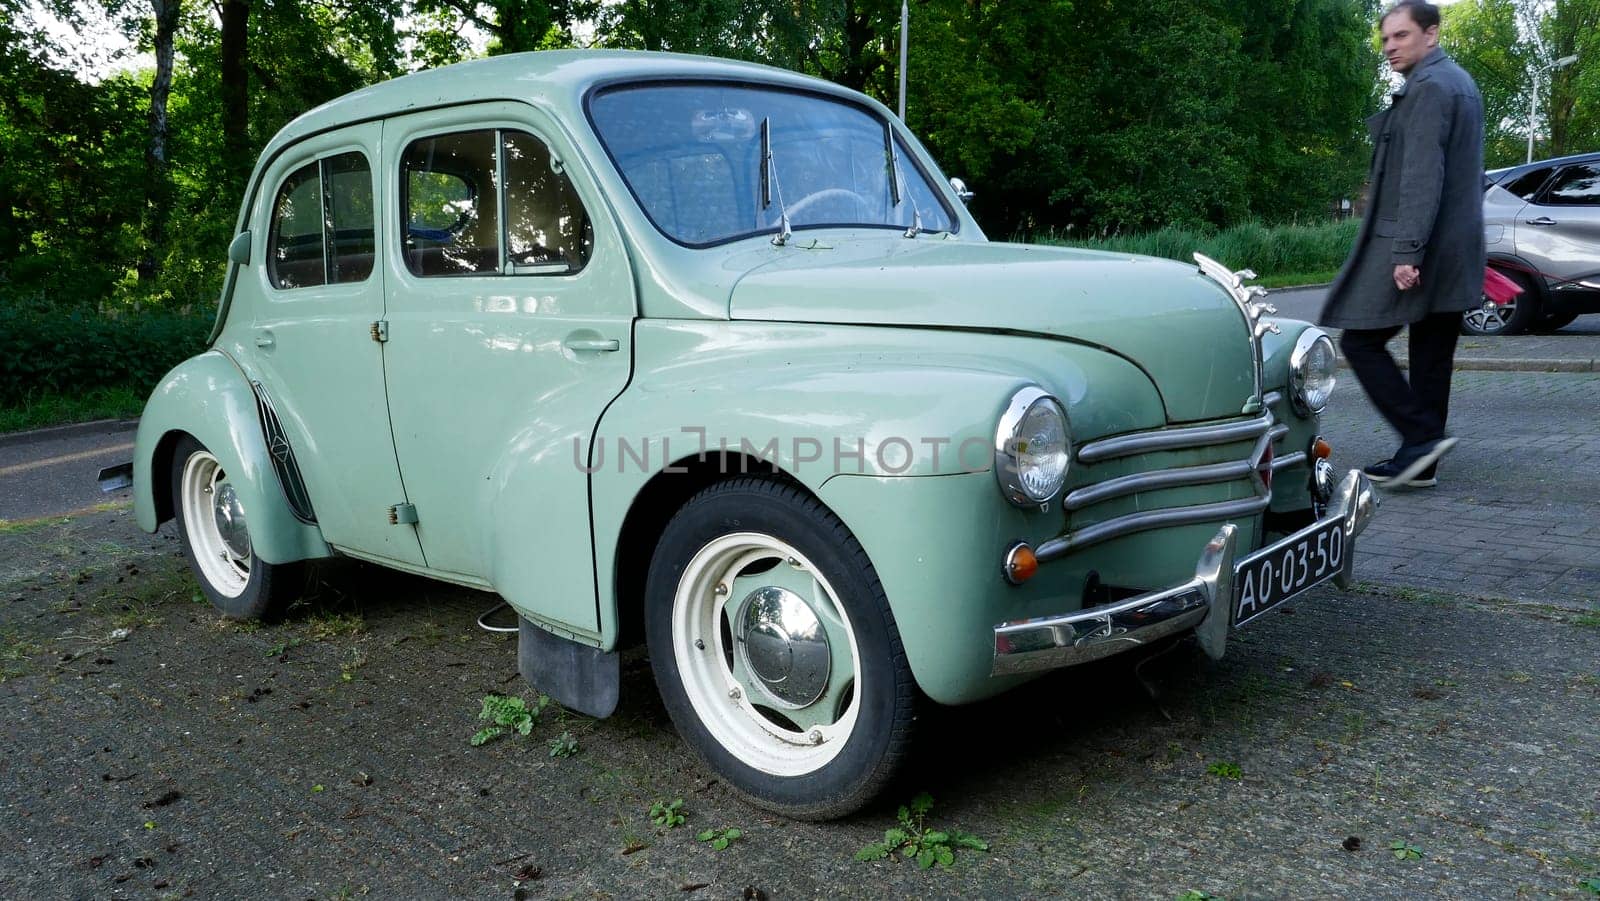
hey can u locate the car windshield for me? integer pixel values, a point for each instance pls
(713, 162)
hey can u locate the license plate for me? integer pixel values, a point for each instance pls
(1273, 575)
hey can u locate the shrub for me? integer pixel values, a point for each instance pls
(52, 351)
(1269, 250)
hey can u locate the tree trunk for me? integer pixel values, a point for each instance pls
(158, 193)
(235, 90)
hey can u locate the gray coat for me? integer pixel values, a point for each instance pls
(1426, 207)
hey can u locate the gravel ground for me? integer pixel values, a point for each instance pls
(154, 750)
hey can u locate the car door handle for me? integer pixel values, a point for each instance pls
(1542, 220)
(265, 339)
(593, 344)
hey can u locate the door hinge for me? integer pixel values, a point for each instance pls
(380, 331)
(403, 514)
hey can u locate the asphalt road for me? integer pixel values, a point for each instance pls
(52, 472)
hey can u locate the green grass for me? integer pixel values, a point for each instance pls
(47, 409)
(1281, 254)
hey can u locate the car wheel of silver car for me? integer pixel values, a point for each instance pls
(1513, 317)
(214, 527)
(775, 650)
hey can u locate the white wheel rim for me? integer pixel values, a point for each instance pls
(227, 572)
(731, 709)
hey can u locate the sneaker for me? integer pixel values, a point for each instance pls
(1384, 473)
(1413, 466)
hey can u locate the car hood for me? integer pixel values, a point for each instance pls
(1174, 323)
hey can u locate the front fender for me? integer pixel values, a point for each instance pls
(1291, 486)
(208, 397)
(818, 402)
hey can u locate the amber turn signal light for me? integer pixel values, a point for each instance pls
(1021, 564)
(1320, 449)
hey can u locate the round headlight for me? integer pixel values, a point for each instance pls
(1032, 448)
(1311, 371)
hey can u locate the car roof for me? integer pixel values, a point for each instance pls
(562, 76)
(1501, 176)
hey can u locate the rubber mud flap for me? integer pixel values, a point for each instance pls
(574, 675)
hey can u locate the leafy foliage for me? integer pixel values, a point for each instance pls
(720, 839)
(563, 745)
(507, 714)
(47, 349)
(914, 840)
(667, 814)
(1224, 769)
(1404, 850)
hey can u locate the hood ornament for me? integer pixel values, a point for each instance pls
(1248, 298)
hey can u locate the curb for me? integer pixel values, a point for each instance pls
(56, 433)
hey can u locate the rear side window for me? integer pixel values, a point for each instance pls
(490, 202)
(1575, 186)
(322, 221)
(1528, 184)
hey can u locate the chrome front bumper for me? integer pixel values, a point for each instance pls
(1204, 603)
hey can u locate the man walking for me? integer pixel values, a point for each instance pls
(1418, 260)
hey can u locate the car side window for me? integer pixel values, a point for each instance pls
(1575, 186)
(547, 229)
(456, 187)
(1527, 184)
(451, 204)
(322, 224)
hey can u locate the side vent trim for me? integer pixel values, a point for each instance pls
(294, 486)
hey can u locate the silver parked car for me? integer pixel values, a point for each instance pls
(1541, 223)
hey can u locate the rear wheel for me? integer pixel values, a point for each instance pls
(1513, 317)
(214, 526)
(775, 650)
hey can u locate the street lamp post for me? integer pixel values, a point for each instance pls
(1533, 101)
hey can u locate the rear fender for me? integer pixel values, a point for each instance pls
(208, 397)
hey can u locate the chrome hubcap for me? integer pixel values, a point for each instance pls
(229, 517)
(785, 646)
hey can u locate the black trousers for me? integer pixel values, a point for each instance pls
(1417, 409)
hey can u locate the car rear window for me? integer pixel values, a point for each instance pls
(1528, 184)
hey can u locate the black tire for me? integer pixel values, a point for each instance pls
(1516, 316)
(867, 759)
(268, 587)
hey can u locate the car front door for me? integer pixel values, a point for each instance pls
(316, 297)
(1560, 231)
(510, 315)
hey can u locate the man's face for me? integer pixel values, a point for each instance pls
(1404, 43)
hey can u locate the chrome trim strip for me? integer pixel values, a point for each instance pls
(1150, 481)
(1279, 430)
(1173, 439)
(1288, 460)
(1272, 398)
(1143, 522)
(1204, 602)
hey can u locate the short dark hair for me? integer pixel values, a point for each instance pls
(1425, 14)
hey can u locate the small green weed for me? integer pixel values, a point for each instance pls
(1224, 769)
(507, 713)
(720, 838)
(1195, 894)
(347, 669)
(322, 626)
(563, 745)
(281, 647)
(1404, 850)
(913, 839)
(1587, 619)
(1592, 884)
(667, 814)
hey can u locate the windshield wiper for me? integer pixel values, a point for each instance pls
(894, 182)
(769, 182)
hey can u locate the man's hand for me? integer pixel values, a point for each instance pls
(1407, 277)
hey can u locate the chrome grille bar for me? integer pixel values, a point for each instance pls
(1151, 481)
(1144, 522)
(1174, 439)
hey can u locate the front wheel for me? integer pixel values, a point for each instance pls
(775, 651)
(1513, 317)
(214, 527)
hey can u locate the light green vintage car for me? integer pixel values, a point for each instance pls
(711, 356)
